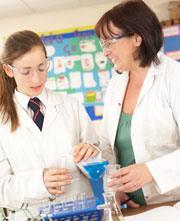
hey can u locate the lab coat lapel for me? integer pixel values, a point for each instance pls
(26, 121)
(52, 111)
(148, 83)
(117, 98)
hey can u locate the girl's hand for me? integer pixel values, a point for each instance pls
(56, 180)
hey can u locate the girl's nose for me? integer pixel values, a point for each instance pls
(35, 76)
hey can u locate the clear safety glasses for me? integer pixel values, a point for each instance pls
(27, 71)
(106, 44)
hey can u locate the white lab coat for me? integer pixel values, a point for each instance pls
(25, 152)
(155, 127)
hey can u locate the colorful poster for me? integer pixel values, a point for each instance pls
(78, 67)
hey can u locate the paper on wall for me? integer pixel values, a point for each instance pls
(59, 65)
(78, 96)
(75, 79)
(89, 80)
(62, 82)
(87, 62)
(51, 83)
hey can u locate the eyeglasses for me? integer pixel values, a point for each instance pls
(106, 44)
(27, 71)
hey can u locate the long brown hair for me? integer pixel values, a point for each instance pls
(15, 46)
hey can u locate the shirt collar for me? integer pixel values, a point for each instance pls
(23, 99)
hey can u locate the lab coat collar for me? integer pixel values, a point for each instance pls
(23, 99)
(157, 69)
(153, 72)
(52, 109)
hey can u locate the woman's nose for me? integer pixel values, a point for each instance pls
(106, 52)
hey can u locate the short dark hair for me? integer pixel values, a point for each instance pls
(135, 17)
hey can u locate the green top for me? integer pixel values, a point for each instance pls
(125, 153)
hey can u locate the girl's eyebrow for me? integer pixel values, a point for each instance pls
(29, 67)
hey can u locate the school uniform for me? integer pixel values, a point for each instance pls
(25, 152)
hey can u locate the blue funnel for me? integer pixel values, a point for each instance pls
(95, 173)
(95, 170)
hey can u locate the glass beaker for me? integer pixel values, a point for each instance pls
(110, 168)
(112, 212)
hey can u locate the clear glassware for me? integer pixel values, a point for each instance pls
(67, 162)
(110, 168)
(112, 212)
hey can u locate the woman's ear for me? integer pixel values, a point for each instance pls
(7, 69)
(137, 39)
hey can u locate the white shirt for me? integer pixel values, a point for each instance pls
(23, 100)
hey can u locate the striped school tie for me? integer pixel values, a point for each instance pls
(38, 117)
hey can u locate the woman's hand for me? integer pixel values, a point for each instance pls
(83, 151)
(122, 197)
(56, 180)
(131, 178)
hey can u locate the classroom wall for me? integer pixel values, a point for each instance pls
(62, 19)
(59, 19)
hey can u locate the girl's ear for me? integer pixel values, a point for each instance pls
(7, 69)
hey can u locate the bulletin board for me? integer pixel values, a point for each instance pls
(78, 67)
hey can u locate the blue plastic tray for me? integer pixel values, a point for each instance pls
(55, 212)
